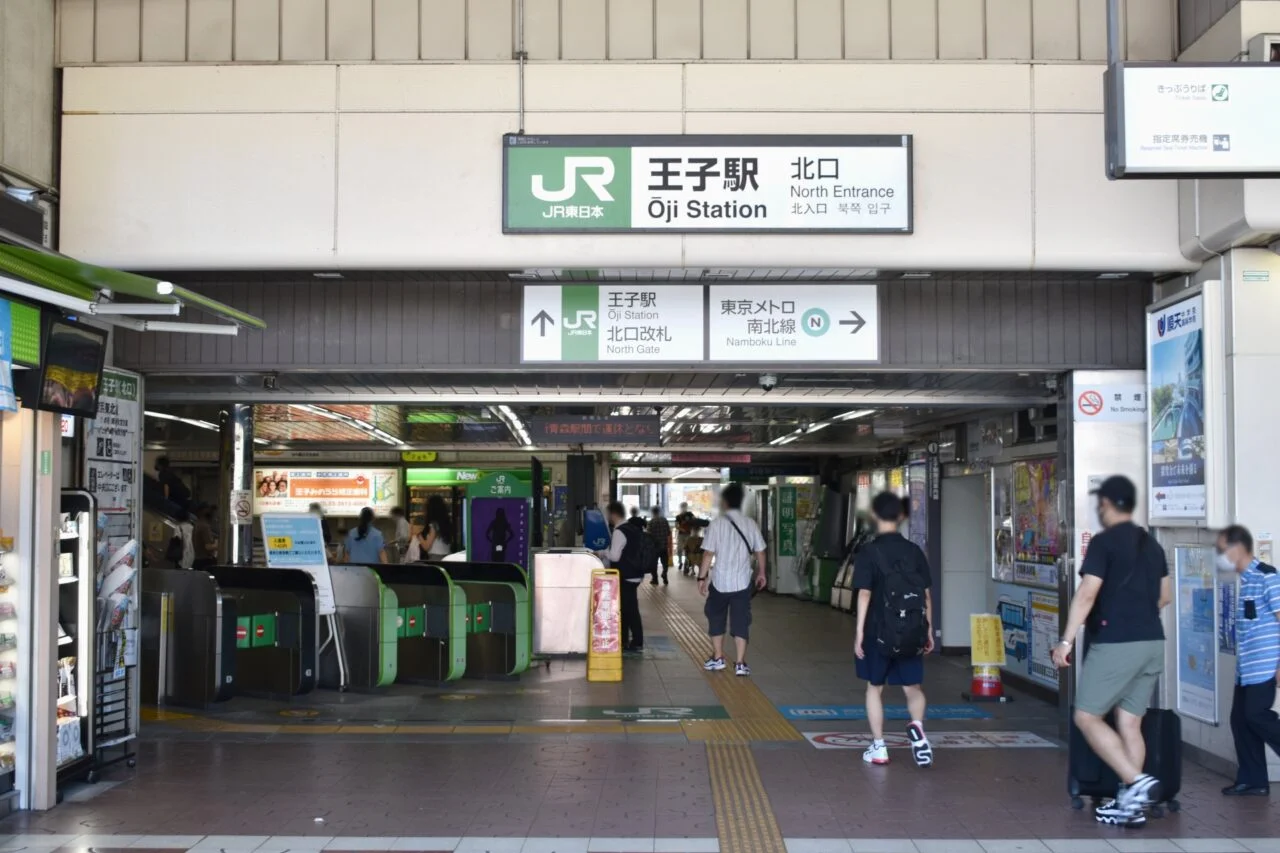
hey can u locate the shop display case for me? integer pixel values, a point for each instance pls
(10, 652)
(74, 661)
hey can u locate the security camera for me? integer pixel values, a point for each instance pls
(269, 382)
(768, 382)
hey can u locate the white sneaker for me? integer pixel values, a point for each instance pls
(714, 665)
(878, 755)
(741, 670)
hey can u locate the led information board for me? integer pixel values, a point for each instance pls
(1186, 120)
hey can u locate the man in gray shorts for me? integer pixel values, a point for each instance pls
(1124, 584)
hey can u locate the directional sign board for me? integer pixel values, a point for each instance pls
(634, 322)
(797, 323)
(639, 323)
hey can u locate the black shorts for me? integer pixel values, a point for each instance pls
(729, 608)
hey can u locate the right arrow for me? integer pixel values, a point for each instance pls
(857, 322)
(544, 318)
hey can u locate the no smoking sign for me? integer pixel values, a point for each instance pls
(1090, 403)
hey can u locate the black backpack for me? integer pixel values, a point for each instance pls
(902, 630)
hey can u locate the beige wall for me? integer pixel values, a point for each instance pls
(27, 109)
(398, 166)
(112, 31)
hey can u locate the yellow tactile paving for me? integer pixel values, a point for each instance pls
(753, 716)
(744, 818)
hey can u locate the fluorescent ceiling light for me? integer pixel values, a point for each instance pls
(327, 274)
(189, 328)
(818, 427)
(41, 294)
(854, 415)
(195, 422)
(1114, 275)
(917, 275)
(140, 309)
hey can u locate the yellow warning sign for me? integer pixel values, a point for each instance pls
(280, 543)
(986, 639)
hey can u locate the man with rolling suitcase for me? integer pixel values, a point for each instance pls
(1124, 584)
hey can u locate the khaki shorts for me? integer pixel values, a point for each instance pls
(1120, 675)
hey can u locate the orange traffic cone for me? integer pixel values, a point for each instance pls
(986, 685)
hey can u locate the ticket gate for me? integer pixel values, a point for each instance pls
(188, 653)
(431, 621)
(368, 622)
(499, 618)
(276, 630)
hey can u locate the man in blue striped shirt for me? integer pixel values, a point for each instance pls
(1253, 723)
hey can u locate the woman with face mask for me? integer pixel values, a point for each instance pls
(1254, 724)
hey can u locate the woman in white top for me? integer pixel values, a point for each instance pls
(432, 533)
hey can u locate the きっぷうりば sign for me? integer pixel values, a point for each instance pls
(722, 183)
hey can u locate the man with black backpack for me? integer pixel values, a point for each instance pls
(632, 553)
(895, 615)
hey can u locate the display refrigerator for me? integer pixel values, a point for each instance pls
(76, 617)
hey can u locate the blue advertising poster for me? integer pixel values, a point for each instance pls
(8, 402)
(1196, 599)
(296, 541)
(1177, 410)
(500, 530)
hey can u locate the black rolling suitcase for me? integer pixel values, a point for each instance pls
(1089, 776)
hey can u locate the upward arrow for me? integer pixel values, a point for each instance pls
(544, 318)
(857, 322)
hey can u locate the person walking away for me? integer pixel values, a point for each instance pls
(636, 517)
(626, 544)
(402, 531)
(1124, 584)
(660, 532)
(204, 542)
(175, 491)
(732, 544)
(365, 544)
(1254, 723)
(895, 626)
(684, 529)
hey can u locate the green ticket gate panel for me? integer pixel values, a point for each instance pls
(499, 631)
(278, 657)
(367, 632)
(430, 622)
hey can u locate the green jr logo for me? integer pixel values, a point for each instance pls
(596, 172)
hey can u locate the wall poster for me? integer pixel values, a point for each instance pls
(1195, 598)
(1175, 355)
(1036, 529)
(1029, 626)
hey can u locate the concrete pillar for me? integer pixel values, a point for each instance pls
(235, 460)
(604, 480)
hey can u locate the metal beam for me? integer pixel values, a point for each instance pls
(196, 395)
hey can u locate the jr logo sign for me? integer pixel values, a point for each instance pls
(550, 189)
(597, 174)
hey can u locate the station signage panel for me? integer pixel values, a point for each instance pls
(575, 429)
(707, 184)
(794, 323)
(618, 323)
(1184, 120)
(639, 323)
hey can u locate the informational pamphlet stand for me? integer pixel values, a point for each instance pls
(296, 541)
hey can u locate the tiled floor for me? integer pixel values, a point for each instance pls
(486, 766)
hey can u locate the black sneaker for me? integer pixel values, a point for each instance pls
(921, 750)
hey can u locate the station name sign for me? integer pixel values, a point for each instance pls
(707, 184)
(1187, 120)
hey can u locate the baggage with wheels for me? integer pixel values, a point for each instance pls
(1089, 776)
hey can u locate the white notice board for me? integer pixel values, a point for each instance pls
(296, 541)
